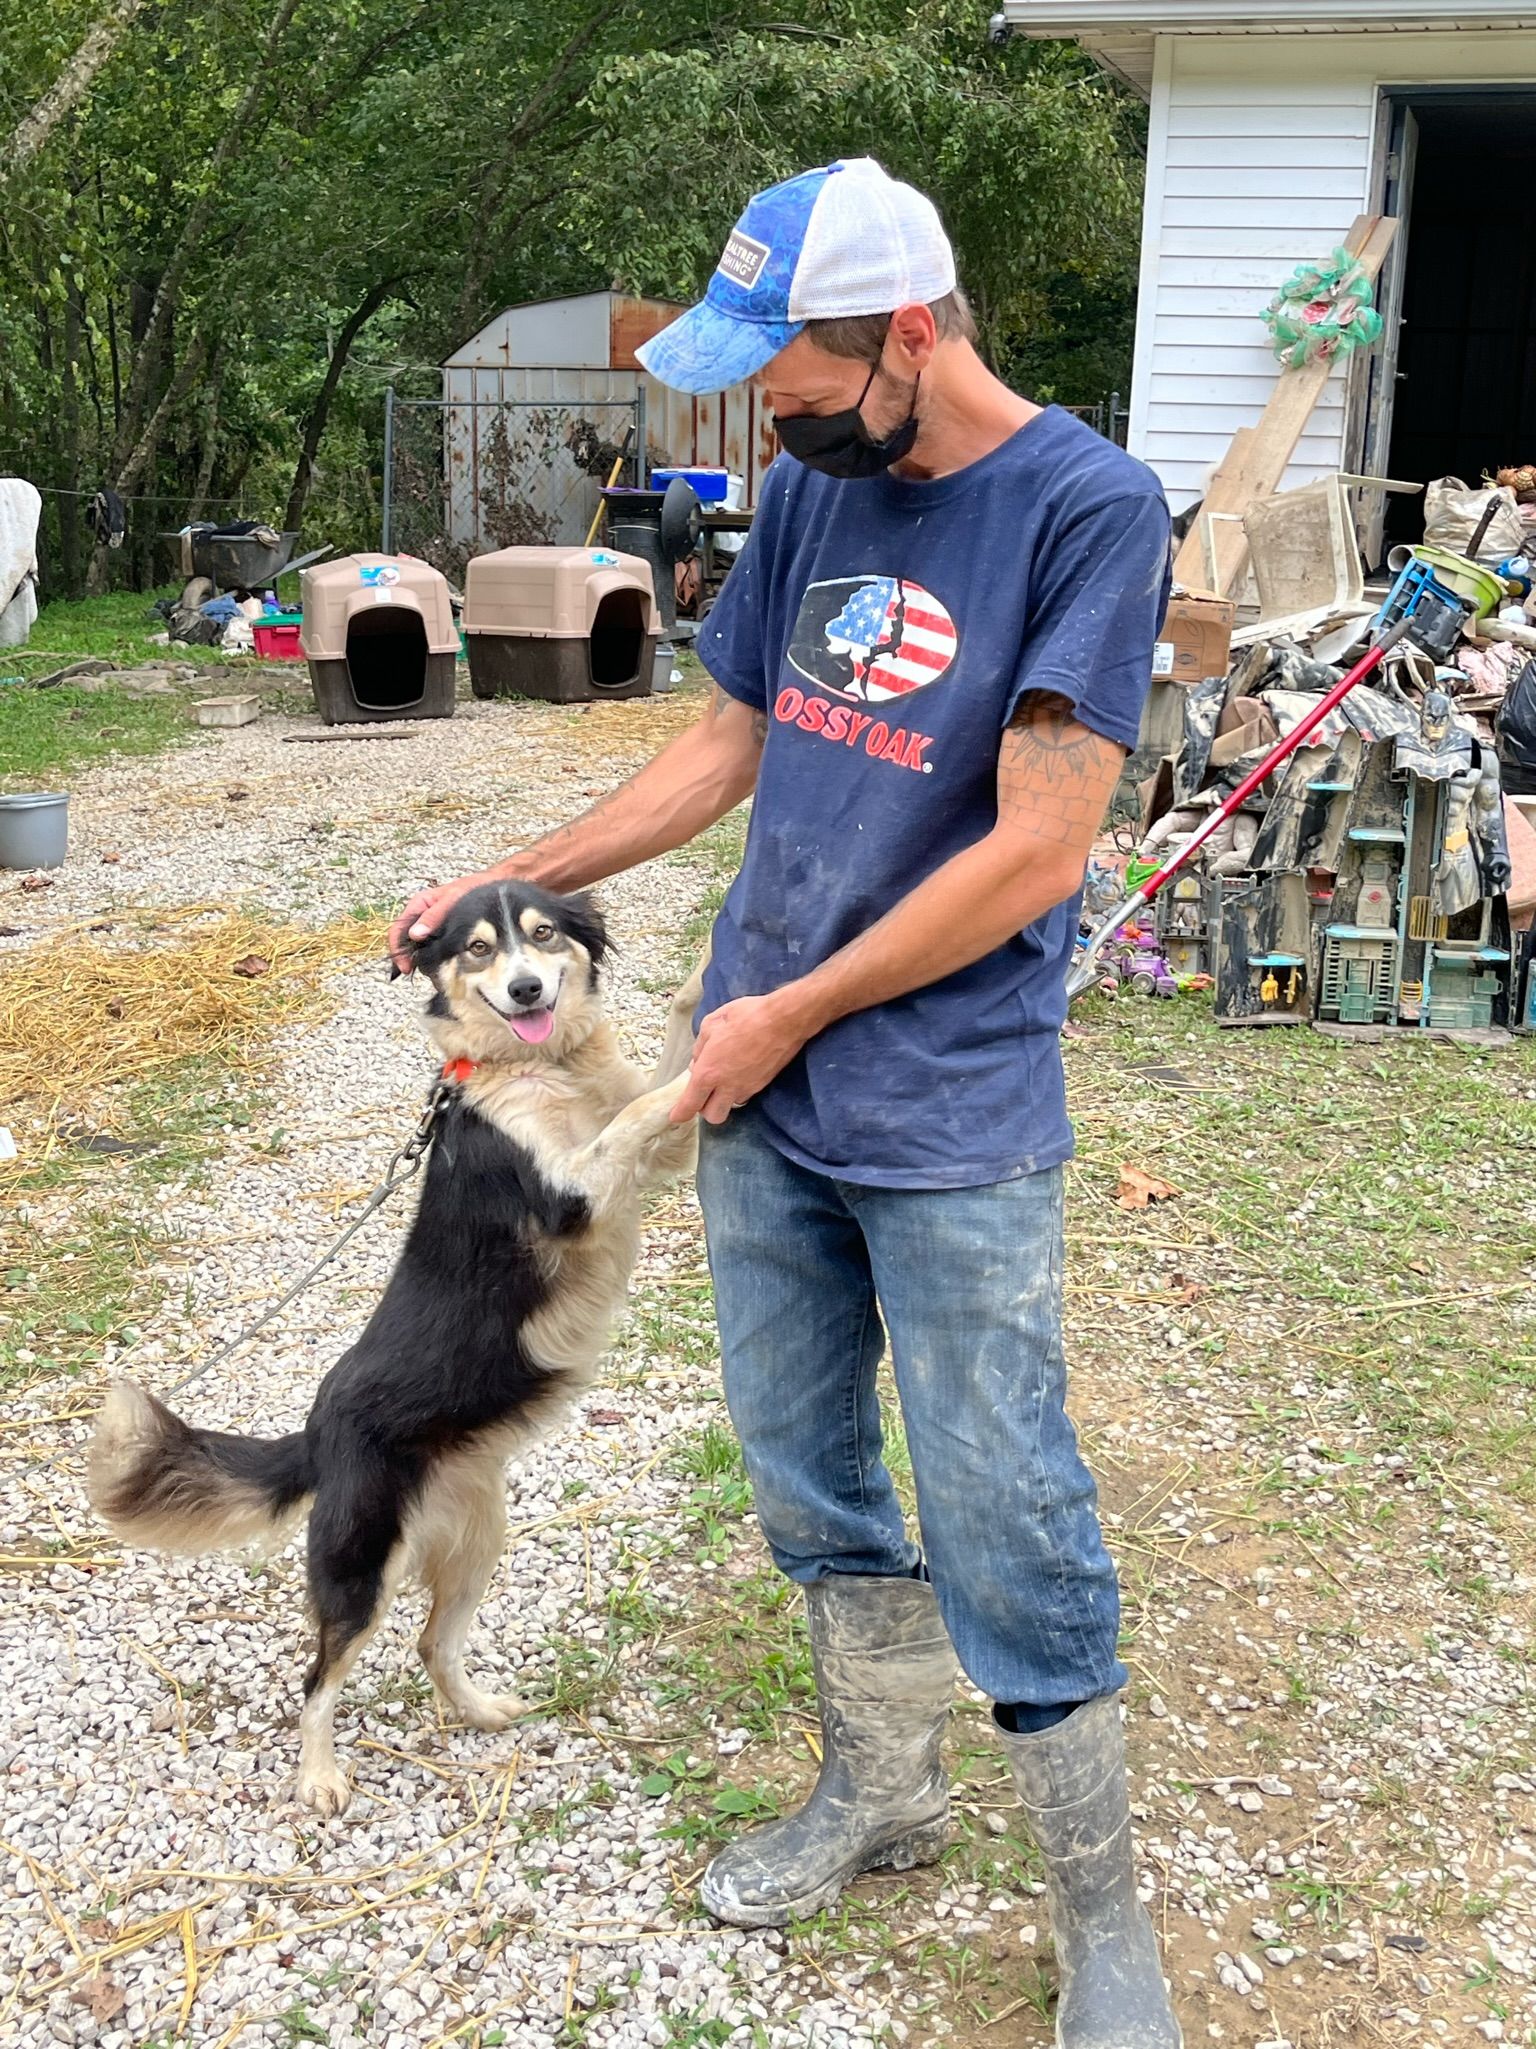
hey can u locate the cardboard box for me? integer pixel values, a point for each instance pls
(1195, 640)
(1520, 831)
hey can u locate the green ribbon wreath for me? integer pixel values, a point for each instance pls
(1322, 309)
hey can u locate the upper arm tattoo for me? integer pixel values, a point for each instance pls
(1055, 776)
(722, 701)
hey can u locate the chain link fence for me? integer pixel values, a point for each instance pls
(465, 475)
(1107, 416)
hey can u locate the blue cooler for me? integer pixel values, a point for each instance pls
(711, 485)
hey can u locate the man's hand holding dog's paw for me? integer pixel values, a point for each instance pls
(741, 1047)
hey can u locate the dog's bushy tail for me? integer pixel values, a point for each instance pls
(161, 1483)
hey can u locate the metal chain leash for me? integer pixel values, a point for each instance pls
(404, 1165)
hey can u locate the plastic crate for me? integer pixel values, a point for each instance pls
(276, 636)
(711, 485)
(1438, 613)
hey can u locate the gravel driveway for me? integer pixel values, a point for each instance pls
(1305, 1383)
(148, 1740)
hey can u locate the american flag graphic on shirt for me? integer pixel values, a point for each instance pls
(896, 636)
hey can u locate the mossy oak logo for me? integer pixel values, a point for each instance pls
(870, 638)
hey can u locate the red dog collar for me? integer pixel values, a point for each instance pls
(459, 1071)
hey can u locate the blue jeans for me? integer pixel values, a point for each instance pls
(969, 1281)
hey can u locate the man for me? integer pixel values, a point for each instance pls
(929, 664)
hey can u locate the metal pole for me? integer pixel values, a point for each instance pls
(1082, 974)
(642, 454)
(1114, 416)
(385, 535)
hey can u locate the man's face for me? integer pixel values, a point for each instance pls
(805, 379)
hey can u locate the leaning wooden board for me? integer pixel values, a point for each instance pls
(1215, 550)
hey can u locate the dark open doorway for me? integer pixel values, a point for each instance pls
(1464, 393)
(617, 642)
(387, 657)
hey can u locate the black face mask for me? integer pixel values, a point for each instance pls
(840, 445)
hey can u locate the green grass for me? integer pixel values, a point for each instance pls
(719, 852)
(47, 734)
(67, 1291)
(116, 628)
(119, 627)
(1351, 1213)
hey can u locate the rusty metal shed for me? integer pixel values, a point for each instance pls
(565, 355)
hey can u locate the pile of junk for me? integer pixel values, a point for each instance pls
(230, 574)
(1337, 835)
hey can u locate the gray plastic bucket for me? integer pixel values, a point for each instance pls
(34, 830)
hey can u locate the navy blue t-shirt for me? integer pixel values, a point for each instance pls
(889, 628)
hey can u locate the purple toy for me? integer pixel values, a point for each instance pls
(1134, 959)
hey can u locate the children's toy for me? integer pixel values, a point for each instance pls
(1525, 1010)
(1417, 929)
(1181, 925)
(1084, 974)
(1264, 952)
(1135, 961)
(1146, 973)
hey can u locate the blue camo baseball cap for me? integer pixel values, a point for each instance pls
(827, 245)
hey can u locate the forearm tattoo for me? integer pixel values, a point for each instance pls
(560, 839)
(1055, 777)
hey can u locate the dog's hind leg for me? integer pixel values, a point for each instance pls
(322, 1782)
(458, 1532)
(356, 1562)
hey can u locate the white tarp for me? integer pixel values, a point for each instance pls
(20, 510)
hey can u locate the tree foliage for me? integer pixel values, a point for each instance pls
(224, 228)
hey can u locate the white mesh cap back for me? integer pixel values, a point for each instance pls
(871, 245)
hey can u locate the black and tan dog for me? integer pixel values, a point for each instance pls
(498, 1311)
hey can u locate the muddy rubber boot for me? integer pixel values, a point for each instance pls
(885, 1673)
(1071, 1780)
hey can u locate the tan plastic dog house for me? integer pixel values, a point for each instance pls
(379, 638)
(567, 624)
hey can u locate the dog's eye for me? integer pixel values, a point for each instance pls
(478, 949)
(543, 933)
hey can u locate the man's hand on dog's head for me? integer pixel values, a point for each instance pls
(412, 924)
(422, 916)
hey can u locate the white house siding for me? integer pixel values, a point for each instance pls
(1261, 151)
(568, 334)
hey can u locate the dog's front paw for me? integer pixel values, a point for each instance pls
(664, 1099)
(324, 1788)
(649, 1116)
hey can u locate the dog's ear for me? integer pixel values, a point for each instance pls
(584, 922)
(429, 954)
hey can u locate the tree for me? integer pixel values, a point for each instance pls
(1031, 155)
(67, 90)
(228, 225)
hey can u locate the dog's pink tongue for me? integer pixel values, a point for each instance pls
(533, 1025)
